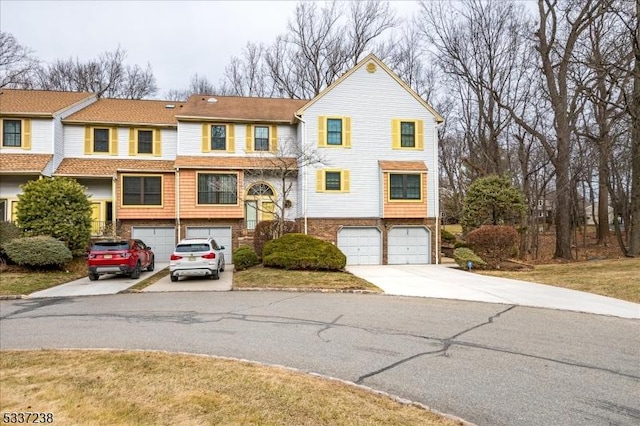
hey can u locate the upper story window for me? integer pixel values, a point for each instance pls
(407, 134)
(218, 137)
(405, 186)
(145, 142)
(217, 188)
(332, 181)
(261, 138)
(101, 140)
(142, 190)
(16, 133)
(334, 132)
(12, 133)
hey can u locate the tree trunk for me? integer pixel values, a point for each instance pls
(634, 239)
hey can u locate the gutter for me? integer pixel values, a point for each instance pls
(304, 175)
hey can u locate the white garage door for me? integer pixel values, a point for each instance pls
(222, 235)
(409, 245)
(162, 240)
(361, 245)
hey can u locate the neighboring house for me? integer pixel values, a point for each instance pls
(123, 152)
(591, 214)
(216, 165)
(376, 196)
(31, 138)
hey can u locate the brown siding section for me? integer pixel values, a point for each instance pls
(189, 197)
(404, 209)
(168, 209)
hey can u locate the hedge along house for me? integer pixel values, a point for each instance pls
(376, 196)
(31, 138)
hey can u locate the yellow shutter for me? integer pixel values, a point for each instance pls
(87, 141)
(26, 133)
(345, 184)
(231, 137)
(419, 134)
(132, 141)
(322, 131)
(206, 137)
(249, 146)
(14, 211)
(157, 142)
(346, 141)
(113, 143)
(395, 134)
(319, 180)
(273, 145)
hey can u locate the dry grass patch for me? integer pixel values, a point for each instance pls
(16, 283)
(616, 278)
(261, 277)
(148, 281)
(126, 388)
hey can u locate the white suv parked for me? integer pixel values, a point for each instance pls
(197, 257)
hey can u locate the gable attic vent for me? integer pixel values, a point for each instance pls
(212, 100)
(170, 106)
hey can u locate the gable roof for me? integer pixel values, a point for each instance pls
(24, 163)
(127, 111)
(373, 58)
(39, 103)
(235, 108)
(110, 167)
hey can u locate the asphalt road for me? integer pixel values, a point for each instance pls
(490, 364)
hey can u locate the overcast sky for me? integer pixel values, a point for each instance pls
(178, 38)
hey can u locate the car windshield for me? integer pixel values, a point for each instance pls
(110, 246)
(183, 248)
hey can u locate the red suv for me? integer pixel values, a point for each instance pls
(128, 257)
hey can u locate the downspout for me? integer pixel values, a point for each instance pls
(114, 205)
(437, 192)
(177, 191)
(304, 175)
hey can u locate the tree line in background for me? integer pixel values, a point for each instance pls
(547, 95)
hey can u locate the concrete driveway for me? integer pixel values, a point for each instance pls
(194, 283)
(107, 284)
(450, 282)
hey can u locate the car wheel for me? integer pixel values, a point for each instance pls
(223, 265)
(215, 275)
(174, 278)
(93, 277)
(152, 265)
(136, 272)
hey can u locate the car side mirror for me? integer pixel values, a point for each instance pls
(148, 248)
(221, 247)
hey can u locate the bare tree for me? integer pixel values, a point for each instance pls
(107, 76)
(281, 168)
(17, 64)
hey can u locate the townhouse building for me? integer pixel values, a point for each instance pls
(213, 165)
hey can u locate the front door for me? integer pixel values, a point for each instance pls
(251, 213)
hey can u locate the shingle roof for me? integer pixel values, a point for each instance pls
(235, 108)
(409, 166)
(38, 102)
(128, 111)
(109, 167)
(24, 163)
(211, 162)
